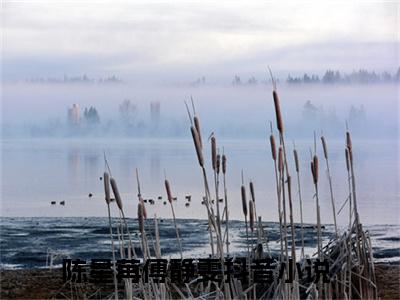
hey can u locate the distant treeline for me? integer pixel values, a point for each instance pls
(330, 77)
(74, 79)
(360, 76)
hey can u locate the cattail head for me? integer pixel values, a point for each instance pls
(197, 145)
(324, 146)
(106, 179)
(214, 153)
(144, 207)
(350, 156)
(348, 141)
(315, 166)
(253, 197)
(140, 217)
(312, 170)
(289, 185)
(197, 126)
(218, 163)
(296, 160)
(280, 160)
(244, 203)
(168, 189)
(273, 146)
(251, 214)
(279, 121)
(116, 193)
(224, 163)
(347, 159)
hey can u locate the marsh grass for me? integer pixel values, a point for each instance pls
(349, 253)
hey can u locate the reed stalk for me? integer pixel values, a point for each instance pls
(325, 148)
(170, 199)
(314, 171)
(118, 200)
(214, 159)
(106, 180)
(297, 166)
(282, 184)
(278, 189)
(224, 162)
(293, 248)
(244, 208)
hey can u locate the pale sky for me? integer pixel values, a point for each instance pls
(180, 39)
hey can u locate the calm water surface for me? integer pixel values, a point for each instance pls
(38, 171)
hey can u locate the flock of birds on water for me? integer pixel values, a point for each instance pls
(188, 199)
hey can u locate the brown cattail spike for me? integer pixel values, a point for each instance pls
(312, 171)
(289, 184)
(280, 160)
(315, 164)
(197, 145)
(350, 156)
(244, 203)
(251, 215)
(106, 179)
(224, 163)
(140, 217)
(347, 159)
(218, 163)
(273, 146)
(279, 121)
(214, 153)
(296, 160)
(253, 197)
(348, 141)
(324, 147)
(144, 207)
(168, 189)
(197, 126)
(116, 193)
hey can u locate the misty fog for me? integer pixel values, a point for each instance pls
(41, 110)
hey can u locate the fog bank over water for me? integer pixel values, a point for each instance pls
(41, 110)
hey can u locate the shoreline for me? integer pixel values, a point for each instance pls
(48, 284)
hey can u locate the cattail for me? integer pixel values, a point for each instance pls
(350, 156)
(168, 189)
(197, 145)
(279, 121)
(315, 165)
(140, 217)
(348, 141)
(280, 160)
(116, 193)
(251, 215)
(223, 163)
(347, 159)
(197, 126)
(218, 162)
(312, 171)
(144, 207)
(252, 192)
(273, 146)
(214, 153)
(324, 147)
(289, 184)
(296, 160)
(106, 179)
(244, 204)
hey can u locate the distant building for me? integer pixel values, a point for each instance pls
(154, 112)
(74, 115)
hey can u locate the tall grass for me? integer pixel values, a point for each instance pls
(349, 253)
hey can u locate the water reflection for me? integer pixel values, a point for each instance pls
(70, 170)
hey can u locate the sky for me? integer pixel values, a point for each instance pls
(181, 40)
